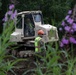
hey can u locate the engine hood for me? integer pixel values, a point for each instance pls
(47, 26)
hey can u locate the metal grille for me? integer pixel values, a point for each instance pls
(52, 34)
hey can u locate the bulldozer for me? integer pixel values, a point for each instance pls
(25, 34)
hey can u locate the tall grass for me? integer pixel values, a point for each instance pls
(6, 64)
(4, 43)
(55, 62)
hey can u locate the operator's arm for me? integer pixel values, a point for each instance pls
(42, 45)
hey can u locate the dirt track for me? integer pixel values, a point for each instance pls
(24, 66)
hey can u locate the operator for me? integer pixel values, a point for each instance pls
(29, 28)
(39, 43)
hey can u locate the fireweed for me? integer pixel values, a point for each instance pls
(9, 16)
(68, 27)
(8, 25)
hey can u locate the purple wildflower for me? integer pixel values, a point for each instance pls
(74, 26)
(75, 41)
(11, 6)
(65, 41)
(70, 11)
(72, 39)
(63, 23)
(67, 28)
(14, 14)
(9, 12)
(66, 17)
(60, 29)
(70, 21)
(71, 31)
(61, 44)
(5, 19)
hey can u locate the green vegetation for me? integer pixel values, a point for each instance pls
(6, 64)
(57, 61)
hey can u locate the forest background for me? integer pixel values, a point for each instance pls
(54, 11)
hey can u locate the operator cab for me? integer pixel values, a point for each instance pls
(29, 26)
(38, 18)
(26, 22)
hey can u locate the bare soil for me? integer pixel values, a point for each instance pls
(24, 66)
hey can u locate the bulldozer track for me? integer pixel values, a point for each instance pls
(21, 53)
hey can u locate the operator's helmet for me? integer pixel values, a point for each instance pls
(40, 32)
